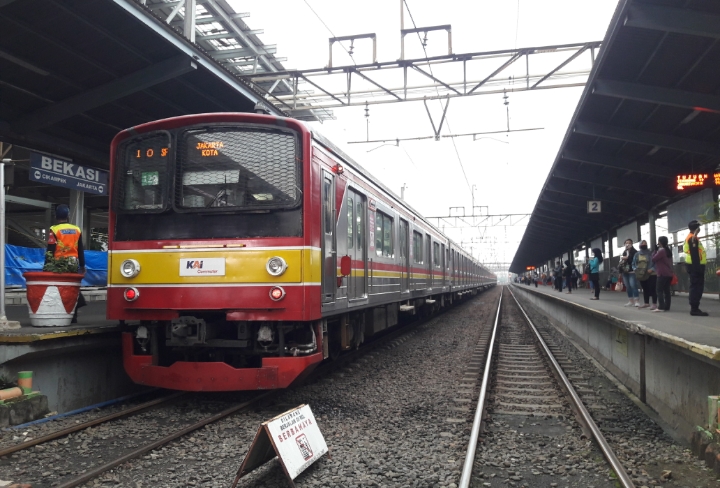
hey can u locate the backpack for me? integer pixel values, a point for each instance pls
(641, 270)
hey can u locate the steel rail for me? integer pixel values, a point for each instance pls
(91, 423)
(475, 430)
(93, 473)
(607, 451)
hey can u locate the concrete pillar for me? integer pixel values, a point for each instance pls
(49, 215)
(651, 224)
(86, 229)
(610, 245)
(77, 208)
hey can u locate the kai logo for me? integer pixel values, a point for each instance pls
(202, 266)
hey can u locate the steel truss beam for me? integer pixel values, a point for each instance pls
(617, 162)
(603, 196)
(676, 20)
(607, 182)
(114, 90)
(655, 94)
(648, 138)
(467, 221)
(432, 84)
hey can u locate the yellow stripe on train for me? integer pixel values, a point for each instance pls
(246, 266)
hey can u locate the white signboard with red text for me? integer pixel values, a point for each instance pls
(294, 437)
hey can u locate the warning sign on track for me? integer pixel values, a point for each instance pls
(294, 437)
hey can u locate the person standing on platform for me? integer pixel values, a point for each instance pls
(628, 273)
(65, 241)
(695, 261)
(595, 272)
(662, 258)
(558, 276)
(645, 275)
(568, 272)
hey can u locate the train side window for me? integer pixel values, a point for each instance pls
(383, 235)
(403, 237)
(360, 224)
(417, 247)
(351, 223)
(436, 254)
(327, 188)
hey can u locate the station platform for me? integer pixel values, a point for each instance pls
(73, 366)
(698, 334)
(669, 360)
(91, 320)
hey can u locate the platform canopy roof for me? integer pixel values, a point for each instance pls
(650, 111)
(73, 73)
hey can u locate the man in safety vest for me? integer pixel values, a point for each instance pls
(65, 240)
(695, 261)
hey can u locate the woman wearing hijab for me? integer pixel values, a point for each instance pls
(628, 274)
(645, 274)
(595, 272)
(662, 258)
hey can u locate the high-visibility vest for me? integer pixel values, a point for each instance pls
(701, 251)
(66, 238)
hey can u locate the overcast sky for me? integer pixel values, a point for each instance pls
(508, 176)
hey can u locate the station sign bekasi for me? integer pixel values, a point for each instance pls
(58, 172)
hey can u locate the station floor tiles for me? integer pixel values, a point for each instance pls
(677, 323)
(91, 320)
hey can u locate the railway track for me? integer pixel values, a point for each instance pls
(527, 386)
(134, 451)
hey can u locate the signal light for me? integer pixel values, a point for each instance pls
(277, 293)
(131, 294)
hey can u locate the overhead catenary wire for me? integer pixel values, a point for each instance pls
(447, 118)
(329, 30)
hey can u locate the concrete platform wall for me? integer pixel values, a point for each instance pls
(673, 381)
(72, 372)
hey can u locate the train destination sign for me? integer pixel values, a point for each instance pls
(58, 172)
(293, 437)
(698, 180)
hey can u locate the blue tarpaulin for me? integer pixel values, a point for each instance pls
(19, 260)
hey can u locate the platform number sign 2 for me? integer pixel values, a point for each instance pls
(593, 206)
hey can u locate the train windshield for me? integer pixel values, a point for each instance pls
(216, 172)
(224, 168)
(143, 177)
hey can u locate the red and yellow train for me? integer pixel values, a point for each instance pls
(245, 249)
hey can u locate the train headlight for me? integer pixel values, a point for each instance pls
(276, 266)
(129, 268)
(131, 294)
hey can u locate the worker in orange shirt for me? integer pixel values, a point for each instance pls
(65, 240)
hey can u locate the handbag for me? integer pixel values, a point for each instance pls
(585, 277)
(674, 280)
(619, 286)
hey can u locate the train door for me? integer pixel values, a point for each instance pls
(356, 244)
(404, 256)
(329, 248)
(443, 265)
(429, 262)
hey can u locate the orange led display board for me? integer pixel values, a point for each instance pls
(697, 180)
(209, 148)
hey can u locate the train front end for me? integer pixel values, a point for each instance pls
(212, 266)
